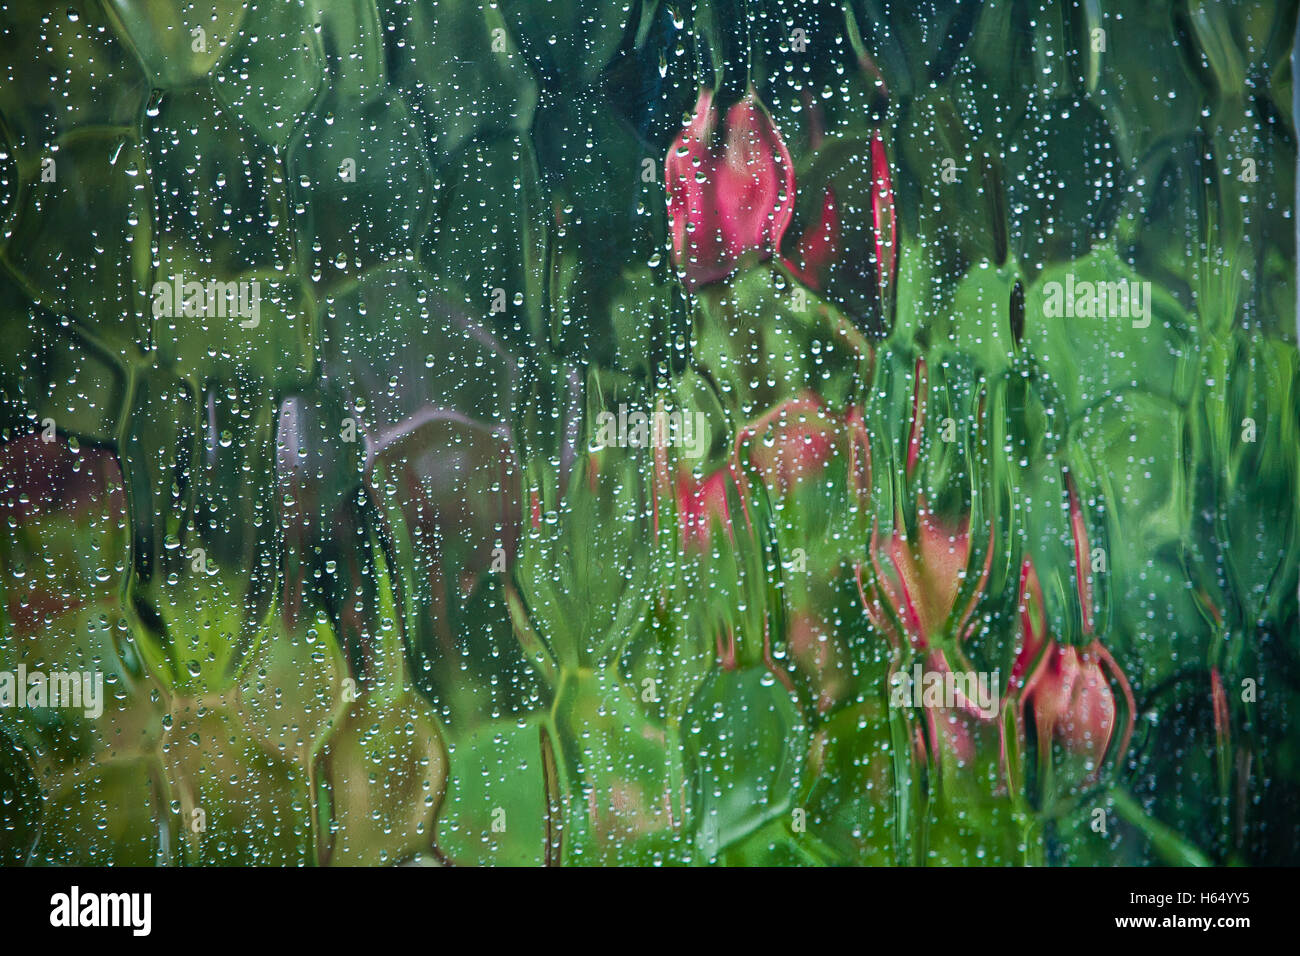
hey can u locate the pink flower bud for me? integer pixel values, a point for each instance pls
(1068, 689)
(795, 441)
(852, 262)
(819, 246)
(883, 215)
(919, 580)
(701, 505)
(727, 199)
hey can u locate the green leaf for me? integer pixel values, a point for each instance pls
(747, 744)
(274, 73)
(1090, 358)
(495, 778)
(443, 59)
(361, 173)
(178, 44)
(80, 245)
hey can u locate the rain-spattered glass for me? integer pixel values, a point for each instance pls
(718, 432)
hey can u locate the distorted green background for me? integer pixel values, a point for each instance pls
(362, 594)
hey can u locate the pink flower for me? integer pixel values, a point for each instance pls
(702, 505)
(915, 593)
(798, 440)
(830, 256)
(912, 588)
(789, 448)
(1069, 689)
(729, 199)
(917, 580)
(795, 442)
(1072, 700)
(817, 248)
(883, 215)
(809, 638)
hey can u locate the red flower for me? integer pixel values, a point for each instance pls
(798, 440)
(818, 246)
(727, 200)
(1072, 700)
(788, 448)
(883, 215)
(855, 266)
(1068, 689)
(923, 582)
(812, 648)
(918, 580)
(701, 505)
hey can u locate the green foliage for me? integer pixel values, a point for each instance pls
(365, 584)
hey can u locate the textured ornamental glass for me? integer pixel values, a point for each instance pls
(781, 432)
